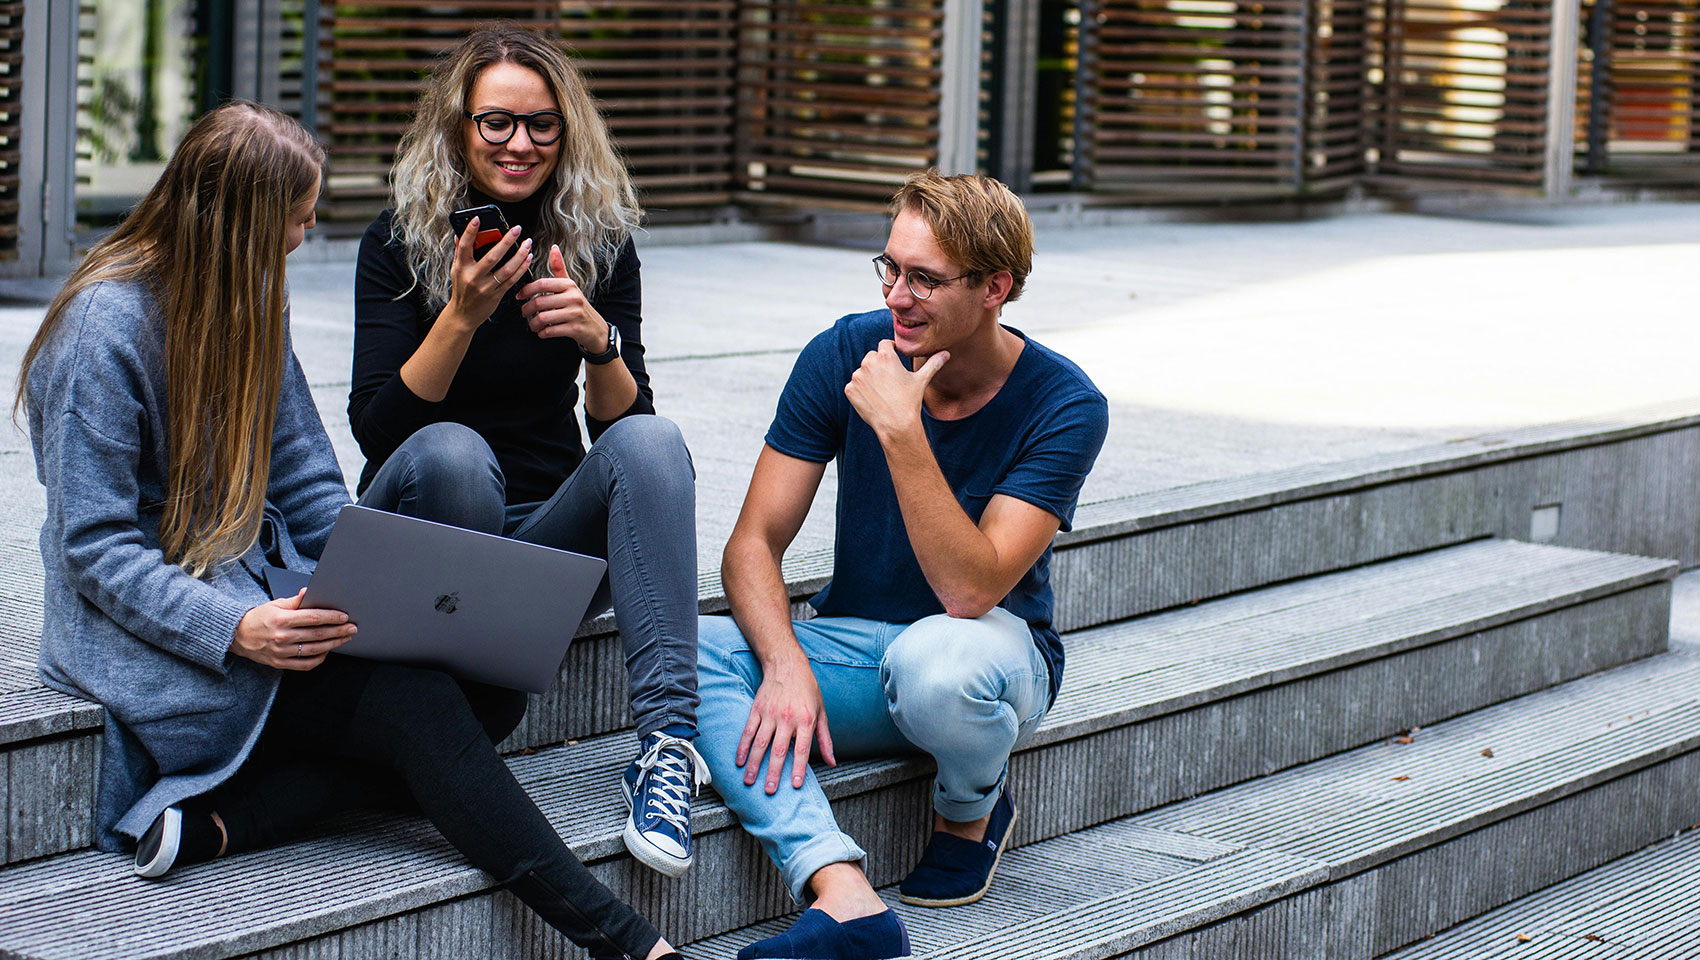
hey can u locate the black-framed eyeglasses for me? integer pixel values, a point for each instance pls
(498, 126)
(920, 285)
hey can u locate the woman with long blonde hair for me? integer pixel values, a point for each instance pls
(182, 453)
(464, 396)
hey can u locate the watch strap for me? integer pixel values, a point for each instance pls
(608, 355)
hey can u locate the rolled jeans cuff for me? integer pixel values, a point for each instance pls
(963, 811)
(822, 851)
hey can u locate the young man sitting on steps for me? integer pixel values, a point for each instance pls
(961, 447)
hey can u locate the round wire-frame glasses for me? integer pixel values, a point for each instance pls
(920, 284)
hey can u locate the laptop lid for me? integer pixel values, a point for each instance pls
(482, 607)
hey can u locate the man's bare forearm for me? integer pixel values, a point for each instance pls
(755, 587)
(959, 561)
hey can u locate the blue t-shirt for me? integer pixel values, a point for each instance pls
(1034, 441)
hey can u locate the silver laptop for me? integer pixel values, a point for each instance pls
(482, 607)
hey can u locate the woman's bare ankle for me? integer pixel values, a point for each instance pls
(223, 834)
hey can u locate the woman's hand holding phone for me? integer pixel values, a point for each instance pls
(556, 307)
(282, 634)
(479, 282)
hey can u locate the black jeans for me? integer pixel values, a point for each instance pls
(357, 733)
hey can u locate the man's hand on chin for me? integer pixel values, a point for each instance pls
(886, 394)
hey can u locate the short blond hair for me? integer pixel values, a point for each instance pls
(976, 220)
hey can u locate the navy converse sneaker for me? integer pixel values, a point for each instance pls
(658, 787)
(954, 871)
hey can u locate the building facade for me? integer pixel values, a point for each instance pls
(745, 107)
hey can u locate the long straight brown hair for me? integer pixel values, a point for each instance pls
(209, 240)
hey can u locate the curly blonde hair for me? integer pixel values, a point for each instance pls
(590, 206)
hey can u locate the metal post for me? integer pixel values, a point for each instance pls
(1307, 63)
(310, 66)
(256, 34)
(1599, 87)
(1014, 107)
(215, 24)
(1561, 98)
(959, 93)
(47, 163)
(1085, 110)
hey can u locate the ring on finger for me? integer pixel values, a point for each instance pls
(298, 649)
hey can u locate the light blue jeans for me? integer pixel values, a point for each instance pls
(964, 691)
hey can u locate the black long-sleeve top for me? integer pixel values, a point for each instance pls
(517, 390)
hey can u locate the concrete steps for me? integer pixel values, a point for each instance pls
(1363, 852)
(1603, 484)
(1186, 701)
(1645, 906)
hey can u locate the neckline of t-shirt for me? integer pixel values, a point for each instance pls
(1020, 362)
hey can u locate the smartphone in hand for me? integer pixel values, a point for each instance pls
(491, 226)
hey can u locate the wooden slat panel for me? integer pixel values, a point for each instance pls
(372, 59)
(1222, 93)
(11, 99)
(837, 101)
(665, 73)
(1459, 90)
(662, 72)
(1651, 98)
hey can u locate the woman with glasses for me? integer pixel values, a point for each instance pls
(467, 349)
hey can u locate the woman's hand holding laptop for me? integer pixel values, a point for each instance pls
(283, 635)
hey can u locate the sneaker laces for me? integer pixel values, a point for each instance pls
(672, 764)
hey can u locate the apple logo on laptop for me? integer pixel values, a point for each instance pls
(446, 603)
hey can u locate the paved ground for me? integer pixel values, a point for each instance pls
(1225, 349)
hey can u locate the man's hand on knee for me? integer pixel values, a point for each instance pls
(788, 715)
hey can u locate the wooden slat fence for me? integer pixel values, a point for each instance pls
(1650, 101)
(11, 99)
(830, 103)
(1218, 98)
(838, 100)
(1462, 91)
(371, 58)
(1335, 139)
(664, 72)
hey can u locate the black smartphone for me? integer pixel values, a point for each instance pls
(492, 226)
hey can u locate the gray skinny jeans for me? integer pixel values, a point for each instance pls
(632, 502)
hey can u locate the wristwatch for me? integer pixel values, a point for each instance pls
(609, 354)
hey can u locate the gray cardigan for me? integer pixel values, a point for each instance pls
(123, 627)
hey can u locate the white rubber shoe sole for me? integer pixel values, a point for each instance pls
(157, 850)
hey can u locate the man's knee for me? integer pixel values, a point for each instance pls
(940, 665)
